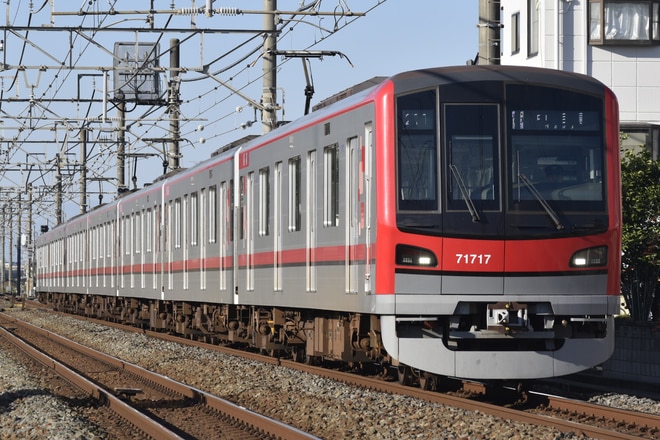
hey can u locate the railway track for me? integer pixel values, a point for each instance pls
(569, 416)
(155, 405)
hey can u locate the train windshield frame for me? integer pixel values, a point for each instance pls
(514, 160)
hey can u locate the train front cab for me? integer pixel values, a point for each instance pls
(503, 270)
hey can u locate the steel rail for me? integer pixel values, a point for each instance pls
(125, 411)
(267, 425)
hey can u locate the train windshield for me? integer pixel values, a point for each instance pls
(555, 154)
(516, 160)
(417, 152)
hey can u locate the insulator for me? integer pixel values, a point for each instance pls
(190, 11)
(217, 11)
(227, 11)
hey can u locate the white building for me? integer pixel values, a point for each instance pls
(615, 41)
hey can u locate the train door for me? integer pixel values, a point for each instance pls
(367, 177)
(203, 218)
(139, 245)
(157, 235)
(236, 193)
(473, 197)
(184, 243)
(248, 227)
(310, 217)
(352, 214)
(277, 228)
(113, 249)
(223, 236)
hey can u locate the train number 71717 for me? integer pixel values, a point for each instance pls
(472, 258)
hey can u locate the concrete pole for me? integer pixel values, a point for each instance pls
(269, 92)
(83, 171)
(121, 141)
(173, 104)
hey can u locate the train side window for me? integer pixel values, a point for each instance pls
(176, 223)
(194, 219)
(149, 230)
(264, 201)
(331, 185)
(127, 235)
(249, 206)
(241, 211)
(213, 214)
(185, 219)
(230, 209)
(138, 232)
(294, 194)
(93, 242)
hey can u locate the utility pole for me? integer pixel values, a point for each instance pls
(173, 104)
(4, 235)
(490, 26)
(19, 246)
(10, 277)
(121, 141)
(29, 281)
(83, 171)
(269, 93)
(58, 189)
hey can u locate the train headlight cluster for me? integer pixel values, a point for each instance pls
(590, 257)
(415, 256)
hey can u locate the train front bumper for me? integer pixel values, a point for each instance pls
(431, 355)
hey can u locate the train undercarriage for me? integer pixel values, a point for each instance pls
(303, 335)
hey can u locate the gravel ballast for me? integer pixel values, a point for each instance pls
(323, 407)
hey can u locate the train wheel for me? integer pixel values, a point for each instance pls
(299, 355)
(428, 381)
(405, 374)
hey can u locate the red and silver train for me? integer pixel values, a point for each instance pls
(460, 221)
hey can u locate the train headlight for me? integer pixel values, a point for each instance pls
(415, 256)
(590, 257)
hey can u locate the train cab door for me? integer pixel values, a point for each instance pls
(472, 199)
(353, 215)
(366, 204)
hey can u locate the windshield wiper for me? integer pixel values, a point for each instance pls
(465, 194)
(537, 195)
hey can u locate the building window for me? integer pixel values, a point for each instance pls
(515, 33)
(533, 30)
(624, 22)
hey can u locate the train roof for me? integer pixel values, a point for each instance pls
(419, 79)
(364, 85)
